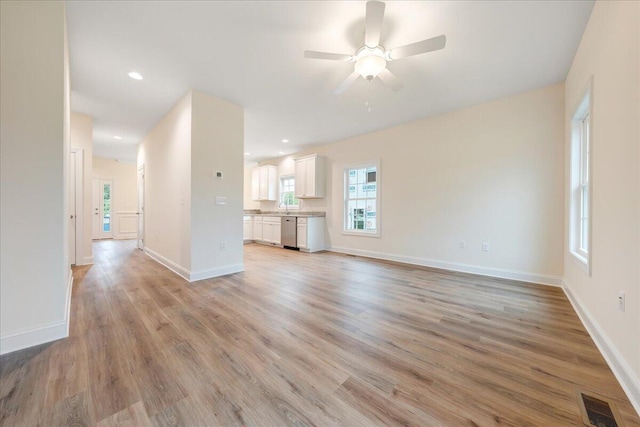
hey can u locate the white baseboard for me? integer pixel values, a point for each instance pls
(88, 260)
(196, 275)
(40, 334)
(216, 272)
(180, 271)
(67, 309)
(454, 266)
(626, 377)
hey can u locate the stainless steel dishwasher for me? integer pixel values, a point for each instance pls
(289, 237)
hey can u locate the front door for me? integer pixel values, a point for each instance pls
(102, 196)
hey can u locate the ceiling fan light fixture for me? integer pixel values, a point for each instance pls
(370, 64)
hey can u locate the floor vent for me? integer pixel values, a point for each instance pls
(598, 412)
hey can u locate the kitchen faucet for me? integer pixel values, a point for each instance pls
(286, 207)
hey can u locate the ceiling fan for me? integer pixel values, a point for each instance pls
(371, 59)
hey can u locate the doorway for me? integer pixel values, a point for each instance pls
(140, 212)
(75, 206)
(102, 208)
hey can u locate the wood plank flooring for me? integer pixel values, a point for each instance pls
(306, 340)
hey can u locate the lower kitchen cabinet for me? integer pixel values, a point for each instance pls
(271, 229)
(247, 227)
(257, 228)
(310, 231)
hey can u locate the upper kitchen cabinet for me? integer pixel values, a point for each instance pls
(310, 177)
(264, 183)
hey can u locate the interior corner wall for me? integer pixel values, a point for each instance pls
(81, 136)
(34, 143)
(492, 172)
(610, 52)
(165, 154)
(217, 145)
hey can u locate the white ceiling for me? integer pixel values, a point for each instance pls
(250, 53)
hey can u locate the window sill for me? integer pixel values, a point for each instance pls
(582, 261)
(362, 234)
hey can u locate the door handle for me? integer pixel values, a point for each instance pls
(71, 216)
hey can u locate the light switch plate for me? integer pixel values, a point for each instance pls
(221, 200)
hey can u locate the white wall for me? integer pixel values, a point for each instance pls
(81, 137)
(609, 51)
(124, 193)
(217, 144)
(184, 227)
(166, 155)
(493, 172)
(34, 146)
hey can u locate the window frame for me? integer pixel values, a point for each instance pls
(345, 187)
(281, 192)
(581, 180)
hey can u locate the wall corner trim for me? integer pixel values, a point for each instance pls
(542, 279)
(216, 272)
(180, 271)
(40, 334)
(196, 275)
(626, 377)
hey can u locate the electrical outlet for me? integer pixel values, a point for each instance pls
(463, 244)
(223, 246)
(485, 246)
(621, 301)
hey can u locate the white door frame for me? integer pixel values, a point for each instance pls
(79, 178)
(141, 211)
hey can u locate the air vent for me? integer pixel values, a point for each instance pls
(598, 412)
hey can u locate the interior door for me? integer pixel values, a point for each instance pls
(140, 212)
(95, 208)
(72, 208)
(102, 197)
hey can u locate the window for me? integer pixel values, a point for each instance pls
(288, 191)
(361, 202)
(580, 202)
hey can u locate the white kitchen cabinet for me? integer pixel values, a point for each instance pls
(310, 232)
(271, 229)
(310, 177)
(247, 227)
(264, 183)
(257, 228)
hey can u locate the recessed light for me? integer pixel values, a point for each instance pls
(280, 152)
(247, 154)
(135, 75)
(285, 140)
(117, 137)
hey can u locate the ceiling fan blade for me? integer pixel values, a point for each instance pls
(417, 48)
(326, 55)
(390, 80)
(346, 83)
(373, 24)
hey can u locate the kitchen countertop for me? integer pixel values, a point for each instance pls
(254, 212)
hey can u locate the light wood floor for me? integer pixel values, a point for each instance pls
(306, 339)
